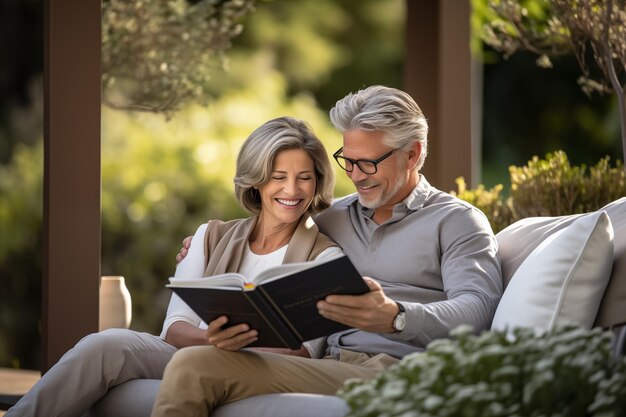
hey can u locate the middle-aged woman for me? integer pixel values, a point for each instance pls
(283, 175)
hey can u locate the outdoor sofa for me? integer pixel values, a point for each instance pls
(575, 270)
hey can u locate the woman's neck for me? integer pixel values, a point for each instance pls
(266, 238)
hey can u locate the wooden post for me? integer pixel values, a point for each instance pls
(438, 74)
(71, 258)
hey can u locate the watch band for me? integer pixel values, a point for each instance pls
(400, 308)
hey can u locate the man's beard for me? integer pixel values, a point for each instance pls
(385, 196)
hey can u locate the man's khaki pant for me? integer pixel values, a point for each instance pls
(200, 378)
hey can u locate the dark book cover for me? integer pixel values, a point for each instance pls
(283, 310)
(211, 303)
(296, 296)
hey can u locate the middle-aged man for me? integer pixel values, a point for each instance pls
(432, 259)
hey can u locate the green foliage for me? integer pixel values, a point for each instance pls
(322, 48)
(21, 199)
(509, 26)
(552, 187)
(594, 31)
(158, 54)
(569, 372)
(551, 28)
(548, 187)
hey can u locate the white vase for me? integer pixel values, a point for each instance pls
(115, 303)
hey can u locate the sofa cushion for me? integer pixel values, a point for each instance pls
(518, 240)
(613, 306)
(285, 405)
(562, 280)
(135, 398)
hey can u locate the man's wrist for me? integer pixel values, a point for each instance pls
(399, 321)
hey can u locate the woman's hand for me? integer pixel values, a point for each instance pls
(232, 338)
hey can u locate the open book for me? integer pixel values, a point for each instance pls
(280, 302)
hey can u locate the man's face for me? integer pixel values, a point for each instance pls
(389, 185)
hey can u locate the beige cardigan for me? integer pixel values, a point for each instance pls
(225, 243)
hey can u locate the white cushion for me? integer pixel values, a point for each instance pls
(562, 280)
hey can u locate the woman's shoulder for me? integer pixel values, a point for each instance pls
(218, 231)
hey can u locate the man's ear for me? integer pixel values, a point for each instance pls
(414, 153)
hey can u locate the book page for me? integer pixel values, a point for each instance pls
(279, 271)
(226, 281)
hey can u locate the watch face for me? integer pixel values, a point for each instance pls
(400, 322)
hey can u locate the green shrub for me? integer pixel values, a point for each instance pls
(552, 187)
(548, 187)
(569, 372)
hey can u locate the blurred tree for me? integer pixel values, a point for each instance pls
(157, 54)
(555, 27)
(323, 48)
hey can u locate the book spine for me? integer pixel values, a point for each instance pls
(271, 317)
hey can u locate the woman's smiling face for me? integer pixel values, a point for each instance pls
(291, 188)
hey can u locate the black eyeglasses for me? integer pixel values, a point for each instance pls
(367, 166)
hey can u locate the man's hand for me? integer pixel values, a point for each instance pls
(371, 312)
(183, 251)
(232, 338)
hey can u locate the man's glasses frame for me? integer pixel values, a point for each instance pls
(367, 166)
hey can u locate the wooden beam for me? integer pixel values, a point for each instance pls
(438, 74)
(71, 258)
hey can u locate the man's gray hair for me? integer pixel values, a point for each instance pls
(385, 109)
(255, 161)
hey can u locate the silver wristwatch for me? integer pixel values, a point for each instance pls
(399, 323)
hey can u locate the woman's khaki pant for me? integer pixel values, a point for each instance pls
(86, 372)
